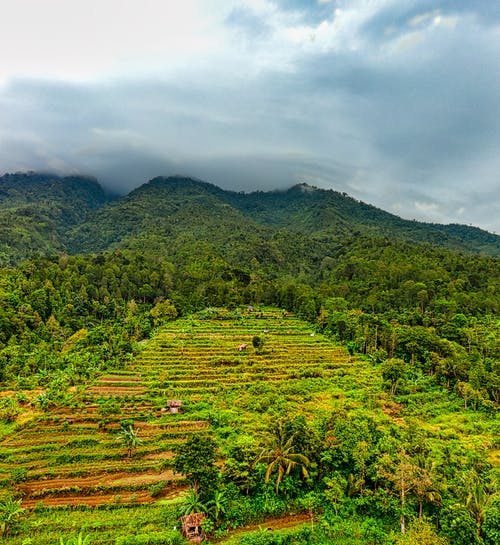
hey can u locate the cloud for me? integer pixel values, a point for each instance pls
(393, 101)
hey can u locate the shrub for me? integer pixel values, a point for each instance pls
(491, 525)
(156, 489)
(258, 343)
(9, 409)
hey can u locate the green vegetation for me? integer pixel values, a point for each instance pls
(331, 386)
(37, 210)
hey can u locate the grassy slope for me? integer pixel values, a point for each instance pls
(69, 460)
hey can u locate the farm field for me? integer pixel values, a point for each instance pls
(72, 471)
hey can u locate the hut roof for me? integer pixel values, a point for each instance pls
(194, 519)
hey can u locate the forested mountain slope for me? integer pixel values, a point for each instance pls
(321, 212)
(36, 211)
(44, 214)
(168, 207)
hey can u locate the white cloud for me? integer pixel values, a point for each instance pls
(84, 40)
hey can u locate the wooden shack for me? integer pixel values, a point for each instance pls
(174, 405)
(191, 527)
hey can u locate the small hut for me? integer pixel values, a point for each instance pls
(174, 405)
(191, 527)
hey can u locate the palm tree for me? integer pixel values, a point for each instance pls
(427, 487)
(129, 437)
(475, 496)
(279, 455)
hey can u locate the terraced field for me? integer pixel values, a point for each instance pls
(72, 455)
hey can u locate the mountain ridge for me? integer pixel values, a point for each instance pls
(74, 214)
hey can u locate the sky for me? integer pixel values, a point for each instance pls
(395, 102)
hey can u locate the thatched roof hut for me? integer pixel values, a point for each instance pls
(174, 405)
(191, 527)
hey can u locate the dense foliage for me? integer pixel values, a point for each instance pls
(37, 210)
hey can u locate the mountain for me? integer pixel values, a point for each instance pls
(37, 211)
(181, 218)
(322, 212)
(164, 208)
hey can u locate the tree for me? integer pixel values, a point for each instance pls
(163, 312)
(279, 453)
(468, 393)
(404, 475)
(458, 526)
(394, 372)
(196, 460)
(335, 490)
(218, 504)
(421, 533)
(475, 496)
(491, 525)
(239, 461)
(192, 503)
(129, 438)
(426, 485)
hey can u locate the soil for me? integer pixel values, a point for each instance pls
(102, 479)
(142, 496)
(275, 523)
(124, 497)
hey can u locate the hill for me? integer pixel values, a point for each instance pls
(195, 360)
(37, 210)
(322, 212)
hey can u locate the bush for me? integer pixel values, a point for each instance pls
(258, 343)
(491, 525)
(157, 489)
(9, 409)
(304, 536)
(458, 526)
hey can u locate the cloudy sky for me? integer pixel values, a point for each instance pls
(396, 102)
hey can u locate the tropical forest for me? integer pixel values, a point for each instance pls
(187, 364)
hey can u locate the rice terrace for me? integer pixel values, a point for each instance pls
(226, 374)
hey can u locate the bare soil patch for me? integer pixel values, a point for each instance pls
(275, 523)
(97, 480)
